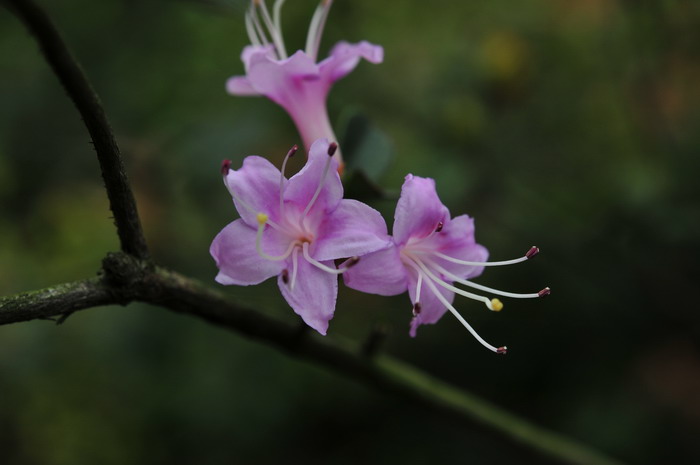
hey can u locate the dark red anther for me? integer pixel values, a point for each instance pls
(293, 150)
(502, 350)
(532, 252)
(544, 292)
(332, 148)
(285, 276)
(225, 167)
(417, 307)
(440, 225)
(352, 261)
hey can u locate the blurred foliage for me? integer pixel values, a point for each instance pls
(571, 125)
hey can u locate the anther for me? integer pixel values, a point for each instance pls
(417, 307)
(496, 305)
(262, 218)
(293, 150)
(332, 148)
(225, 167)
(440, 225)
(502, 350)
(532, 252)
(285, 276)
(351, 262)
(544, 292)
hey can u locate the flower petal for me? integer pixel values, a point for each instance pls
(418, 210)
(302, 186)
(379, 273)
(240, 85)
(314, 294)
(431, 307)
(234, 251)
(457, 240)
(345, 56)
(352, 229)
(256, 189)
(281, 80)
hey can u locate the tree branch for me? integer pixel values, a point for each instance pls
(125, 279)
(69, 72)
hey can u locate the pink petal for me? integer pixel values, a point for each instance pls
(418, 210)
(457, 240)
(282, 81)
(257, 185)
(234, 251)
(314, 294)
(240, 85)
(431, 307)
(303, 185)
(345, 56)
(352, 229)
(378, 273)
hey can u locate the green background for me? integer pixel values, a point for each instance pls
(572, 125)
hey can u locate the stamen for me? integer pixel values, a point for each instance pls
(225, 167)
(285, 276)
(419, 286)
(530, 253)
(544, 292)
(318, 22)
(277, 15)
(256, 23)
(250, 29)
(289, 155)
(331, 150)
(295, 266)
(417, 307)
(497, 305)
(439, 227)
(443, 300)
(321, 266)
(447, 286)
(502, 350)
(349, 263)
(262, 220)
(459, 280)
(274, 33)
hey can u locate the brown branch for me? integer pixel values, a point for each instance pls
(68, 71)
(126, 279)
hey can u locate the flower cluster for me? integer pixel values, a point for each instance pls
(304, 232)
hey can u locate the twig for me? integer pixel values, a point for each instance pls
(127, 279)
(64, 65)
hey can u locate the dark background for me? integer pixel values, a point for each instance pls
(572, 125)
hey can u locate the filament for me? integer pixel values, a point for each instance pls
(295, 256)
(289, 155)
(274, 33)
(250, 29)
(318, 22)
(530, 253)
(319, 265)
(262, 219)
(318, 189)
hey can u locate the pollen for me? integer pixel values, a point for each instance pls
(262, 218)
(497, 305)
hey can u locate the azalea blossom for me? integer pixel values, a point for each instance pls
(295, 229)
(431, 252)
(298, 83)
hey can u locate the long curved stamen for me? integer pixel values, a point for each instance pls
(225, 167)
(318, 22)
(275, 34)
(256, 23)
(443, 300)
(262, 220)
(331, 151)
(530, 253)
(350, 263)
(419, 285)
(250, 29)
(491, 304)
(295, 256)
(289, 155)
(455, 278)
(277, 15)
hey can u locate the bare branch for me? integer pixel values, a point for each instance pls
(126, 279)
(69, 72)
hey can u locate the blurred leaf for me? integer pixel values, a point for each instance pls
(365, 147)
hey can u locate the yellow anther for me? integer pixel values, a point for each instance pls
(496, 305)
(262, 219)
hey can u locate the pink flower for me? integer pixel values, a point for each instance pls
(430, 252)
(297, 83)
(294, 229)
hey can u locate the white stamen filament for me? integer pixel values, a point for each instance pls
(466, 262)
(275, 34)
(289, 155)
(318, 21)
(459, 280)
(261, 252)
(319, 265)
(450, 287)
(419, 285)
(295, 256)
(277, 15)
(250, 29)
(459, 317)
(321, 182)
(256, 23)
